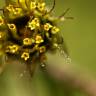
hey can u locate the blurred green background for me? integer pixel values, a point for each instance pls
(80, 37)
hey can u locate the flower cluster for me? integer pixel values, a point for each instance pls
(27, 31)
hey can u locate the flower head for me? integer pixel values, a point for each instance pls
(47, 26)
(34, 24)
(12, 49)
(28, 30)
(42, 49)
(31, 25)
(28, 41)
(41, 6)
(36, 21)
(10, 7)
(12, 27)
(25, 56)
(17, 11)
(39, 39)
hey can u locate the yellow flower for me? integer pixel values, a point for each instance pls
(1, 21)
(47, 26)
(28, 41)
(31, 25)
(10, 7)
(39, 39)
(41, 6)
(12, 27)
(25, 56)
(17, 11)
(42, 49)
(32, 5)
(12, 49)
(55, 30)
(34, 23)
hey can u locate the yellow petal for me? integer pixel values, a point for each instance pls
(32, 5)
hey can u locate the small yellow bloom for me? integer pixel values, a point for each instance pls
(31, 25)
(1, 21)
(42, 49)
(14, 48)
(47, 26)
(34, 23)
(39, 39)
(27, 41)
(17, 11)
(25, 56)
(32, 5)
(12, 27)
(10, 7)
(55, 30)
(41, 6)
